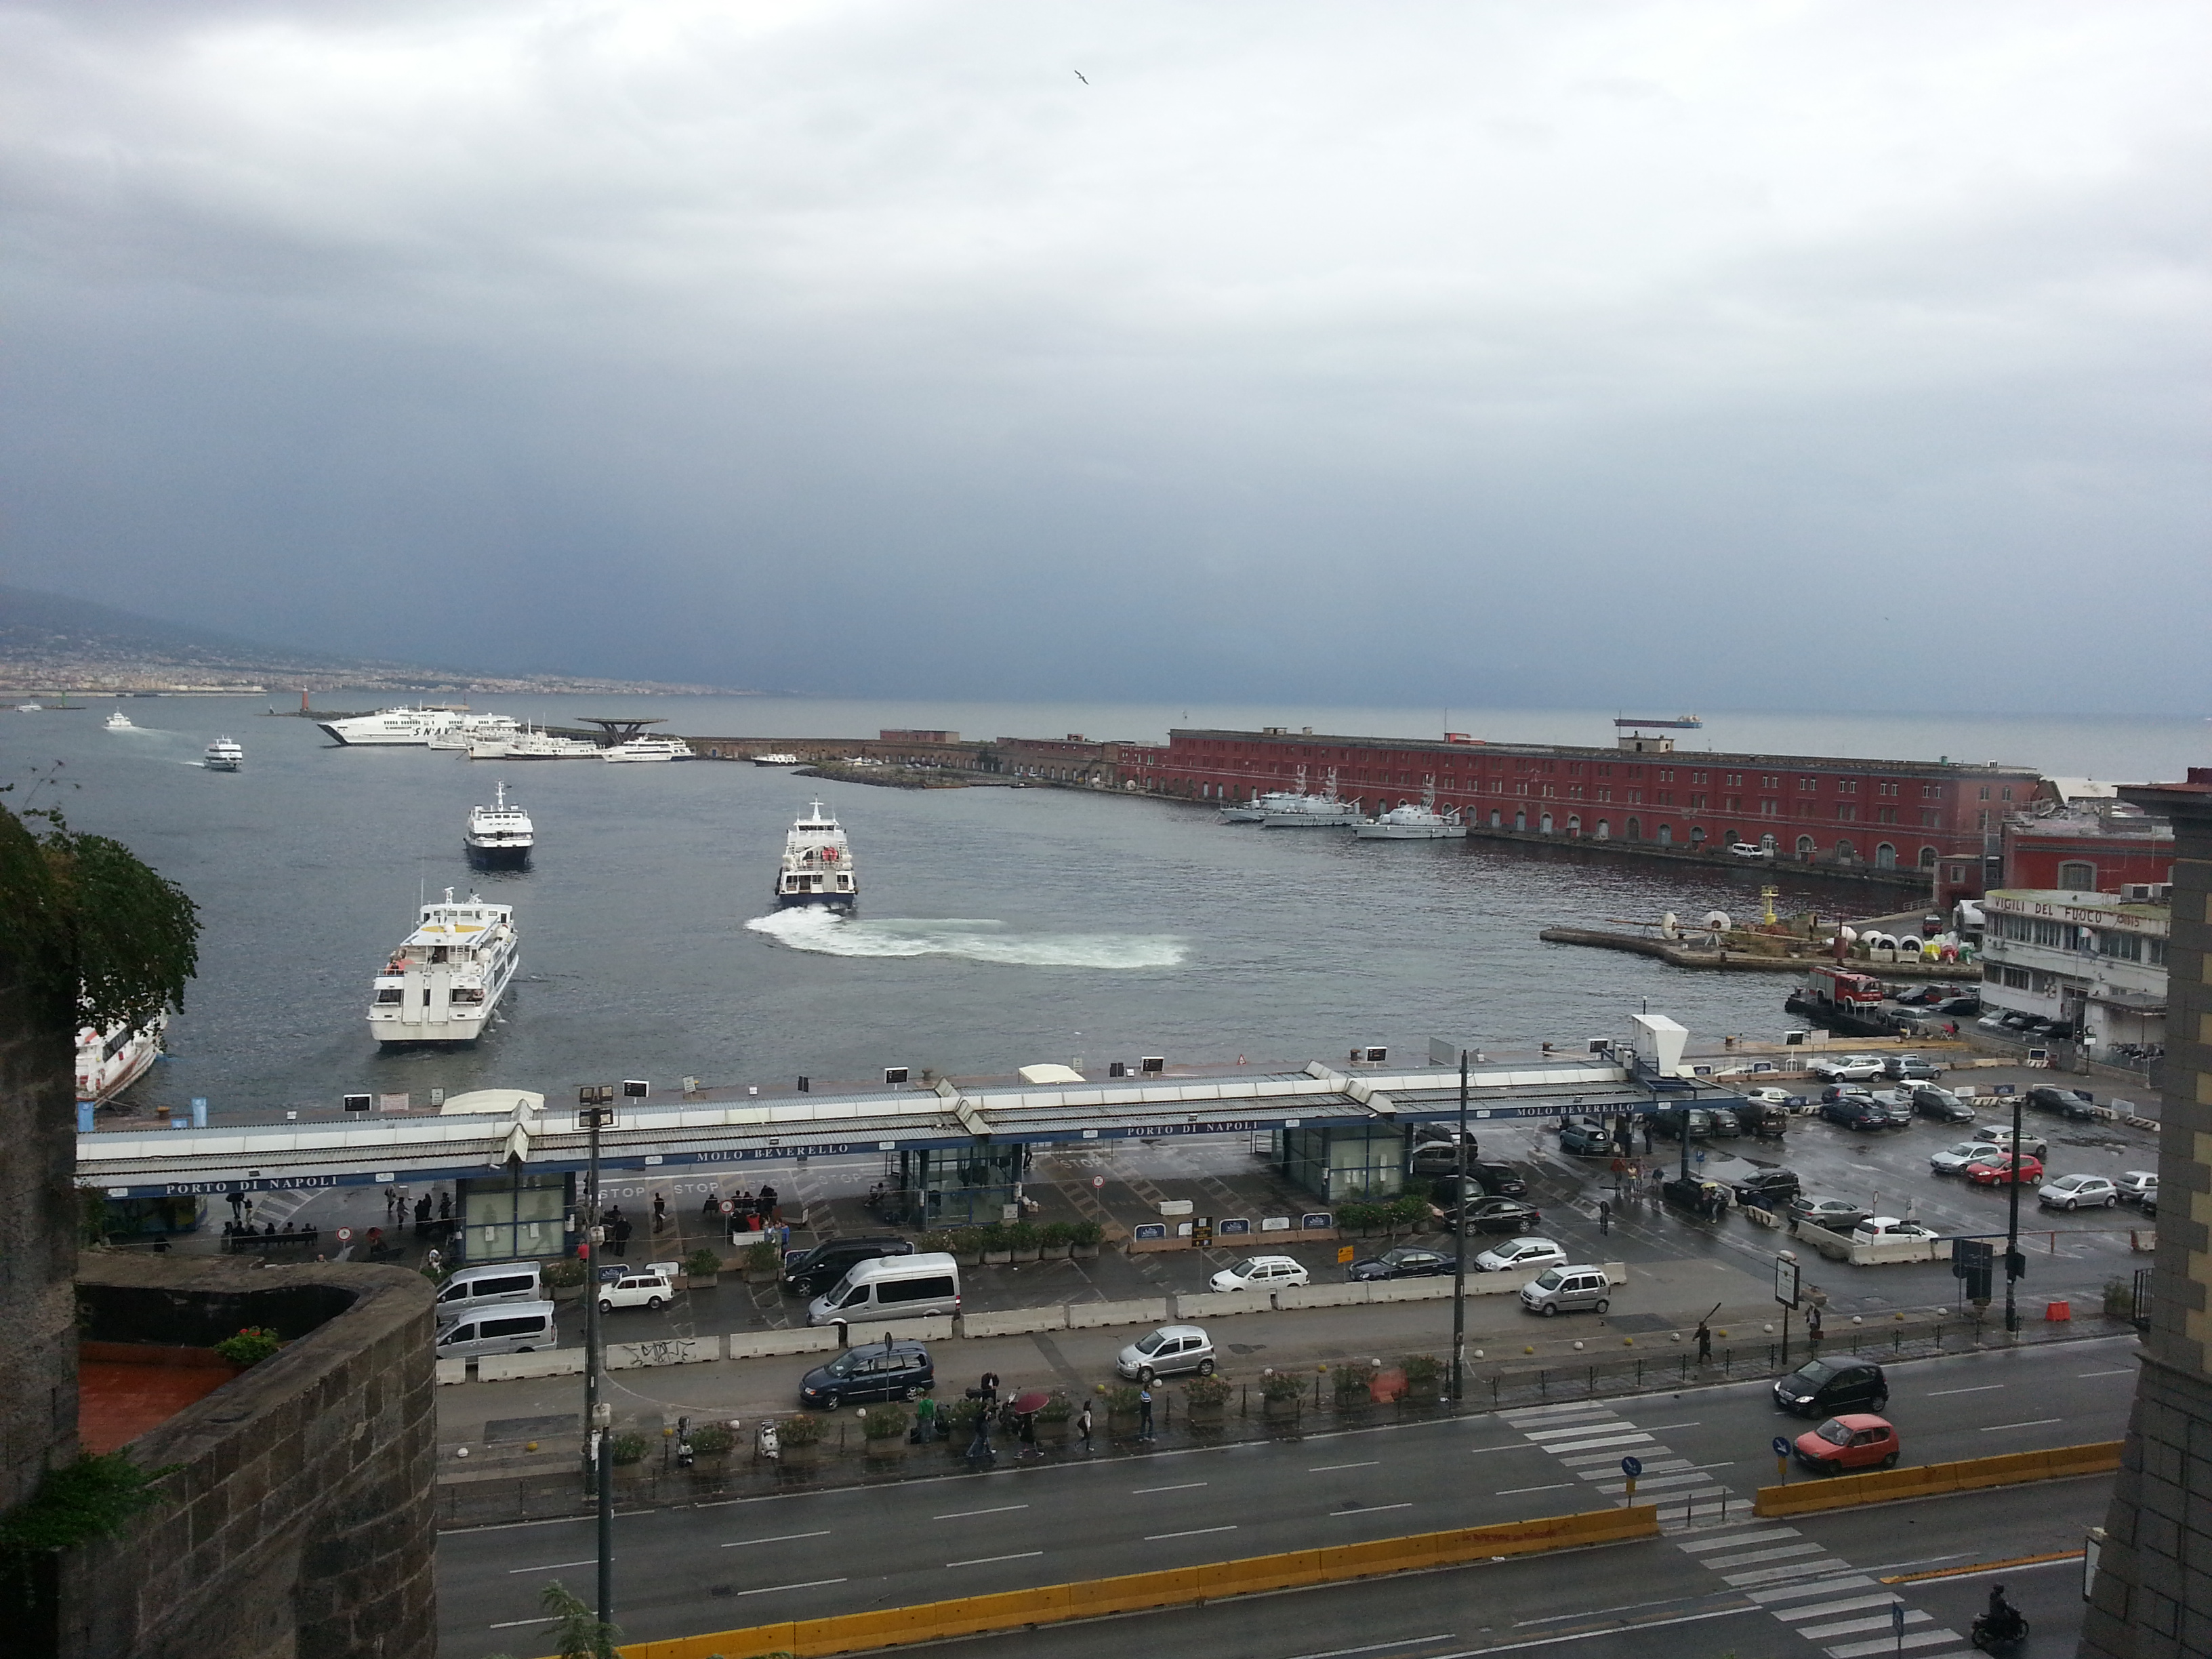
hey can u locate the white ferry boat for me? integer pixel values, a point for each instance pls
(778, 759)
(444, 980)
(224, 754)
(119, 722)
(498, 836)
(534, 743)
(392, 726)
(475, 728)
(817, 865)
(1407, 822)
(30, 708)
(649, 749)
(109, 1061)
(1321, 812)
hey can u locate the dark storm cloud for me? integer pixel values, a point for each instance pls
(1458, 354)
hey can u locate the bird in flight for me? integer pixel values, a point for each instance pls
(1081, 76)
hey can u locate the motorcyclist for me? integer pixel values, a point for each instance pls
(2002, 1621)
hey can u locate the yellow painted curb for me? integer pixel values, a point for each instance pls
(853, 1633)
(1932, 1480)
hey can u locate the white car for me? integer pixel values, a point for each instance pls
(2030, 1142)
(2072, 1192)
(1954, 1160)
(1876, 1229)
(2137, 1185)
(650, 1290)
(1769, 1096)
(1847, 1068)
(1519, 1253)
(1744, 849)
(1260, 1273)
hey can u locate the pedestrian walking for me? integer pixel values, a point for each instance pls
(659, 1212)
(1604, 1216)
(979, 1448)
(1083, 1425)
(1813, 1327)
(237, 1202)
(622, 1235)
(767, 1204)
(988, 1387)
(1704, 1343)
(390, 1202)
(1144, 1412)
(924, 1421)
(445, 1206)
(1647, 1137)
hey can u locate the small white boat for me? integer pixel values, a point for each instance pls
(30, 708)
(119, 722)
(1256, 809)
(224, 754)
(498, 836)
(778, 759)
(109, 1061)
(534, 743)
(1321, 812)
(473, 729)
(444, 980)
(1409, 821)
(649, 749)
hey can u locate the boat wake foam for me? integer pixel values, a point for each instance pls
(825, 932)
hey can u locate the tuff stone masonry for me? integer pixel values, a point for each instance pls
(2153, 1595)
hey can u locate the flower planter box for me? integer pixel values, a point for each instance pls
(969, 1258)
(1120, 1425)
(760, 1275)
(997, 1258)
(1084, 1252)
(1028, 1253)
(800, 1458)
(891, 1449)
(1054, 1429)
(1420, 1394)
(1279, 1410)
(1208, 1414)
(702, 1281)
(1054, 1252)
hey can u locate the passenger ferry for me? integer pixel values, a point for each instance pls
(110, 1060)
(1406, 821)
(444, 980)
(476, 728)
(649, 749)
(498, 836)
(778, 759)
(533, 743)
(224, 754)
(817, 865)
(119, 722)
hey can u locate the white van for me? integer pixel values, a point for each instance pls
(502, 1327)
(475, 1288)
(890, 1287)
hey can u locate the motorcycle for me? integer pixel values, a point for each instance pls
(1998, 1636)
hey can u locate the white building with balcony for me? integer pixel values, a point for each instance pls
(2093, 963)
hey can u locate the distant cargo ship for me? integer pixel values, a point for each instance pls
(1680, 723)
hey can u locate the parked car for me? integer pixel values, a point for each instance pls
(1519, 1253)
(1751, 851)
(872, 1370)
(1847, 1068)
(1405, 1262)
(1498, 1179)
(1585, 1138)
(2073, 1103)
(1583, 1288)
(1838, 1215)
(1955, 1160)
(1770, 1097)
(1910, 1068)
(2030, 1142)
(1261, 1273)
(649, 1290)
(1941, 1104)
(1859, 1441)
(1836, 1091)
(2138, 1185)
(2078, 1192)
(2005, 1168)
(1881, 1229)
(1821, 1386)
(810, 1273)
(1958, 1007)
(1915, 995)
(1769, 1189)
(1167, 1351)
(1863, 1113)
(1495, 1215)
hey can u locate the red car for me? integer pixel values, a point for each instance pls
(1858, 1441)
(2022, 1170)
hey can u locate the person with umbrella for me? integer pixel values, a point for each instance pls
(1025, 1407)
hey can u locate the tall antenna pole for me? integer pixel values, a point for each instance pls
(1459, 1248)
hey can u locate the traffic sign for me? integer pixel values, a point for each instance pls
(1785, 1279)
(1343, 1253)
(1098, 1180)
(1781, 1447)
(1632, 1466)
(345, 1235)
(728, 1206)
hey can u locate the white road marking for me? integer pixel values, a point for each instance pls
(1195, 1531)
(1376, 1647)
(1325, 1468)
(1765, 1534)
(1827, 1586)
(2125, 1370)
(1636, 1440)
(1514, 1491)
(812, 1583)
(1926, 1638)
(2038, 1423)
(962, 1515)
(986, 1561)
(1371, 1509)
(1781, 1553)
(1775, 1575)
(1856, 1626)
(591, 1561)
(1985, 1387)
(1610, 1629)
(784, 1538)
(1188, 1486)
(1828, 1610)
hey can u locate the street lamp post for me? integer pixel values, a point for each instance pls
(1459, 1249)
(594, 1112)
(2011, 1224)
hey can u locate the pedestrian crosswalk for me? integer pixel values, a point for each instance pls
(1799, 1583)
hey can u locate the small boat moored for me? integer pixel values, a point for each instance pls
(1409, 821)
(649, 749)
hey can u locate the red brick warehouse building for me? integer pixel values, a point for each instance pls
(1939, 816)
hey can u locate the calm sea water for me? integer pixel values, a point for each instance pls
(999, 927)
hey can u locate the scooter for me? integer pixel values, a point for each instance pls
(1998, 1636)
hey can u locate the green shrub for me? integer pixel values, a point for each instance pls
(1086, 1235)
(1022, 1236)
(626, 1449)
(1122, 1399)
(1359, 1215)
(2119, 1299)
(993, 1236)
(1281, 1385)
(703, 1263)
(712, 1440)
(961, 1414)
(564, 1274)
(1354, 1383)
(883, 1422)
(799, 1429)
(1057, 1409)
(1208, 1390)
(1421, 1370)
(1407, 1210)
(92, 1497)
(936, 1242)
(1053, 1234)
(250, 1347)
(760, 1257)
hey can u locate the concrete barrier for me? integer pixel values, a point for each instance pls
(933, 1621)
(769, 1345)
(1933, 1479)
(1866, 1253)
(507, 1367)
(453, 1370)
(1417, 1290)
(1322, 1296)
(1020, 1321)
(1086, 1315)
(1222, 1304)
(666, 1351)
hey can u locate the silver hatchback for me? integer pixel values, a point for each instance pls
(1583, 1288)
(1170, 1349)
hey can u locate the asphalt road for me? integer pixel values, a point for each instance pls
(695, 1570)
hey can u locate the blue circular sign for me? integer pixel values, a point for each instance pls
(1632, 1466)
(1781, 1447)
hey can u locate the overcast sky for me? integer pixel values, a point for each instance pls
(1714, 354)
